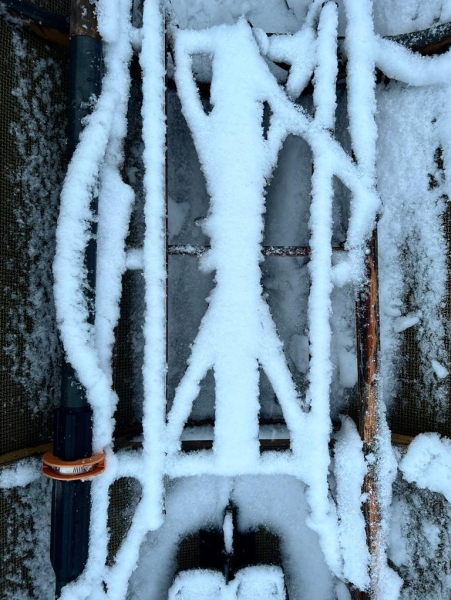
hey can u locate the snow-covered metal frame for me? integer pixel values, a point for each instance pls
(237, 316)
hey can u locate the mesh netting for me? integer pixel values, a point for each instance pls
(188, 555)
(127, 360)
(265, 546)
(12, 283)
(414, 411)
(29, 361)
(27, 382)
(25, 570)
(423, 563)
(61, 7)
(124, 497)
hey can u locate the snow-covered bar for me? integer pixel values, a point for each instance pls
(237, 336)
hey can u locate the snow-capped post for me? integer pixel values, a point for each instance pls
(72, 445)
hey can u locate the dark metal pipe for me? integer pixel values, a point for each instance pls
(71, 500)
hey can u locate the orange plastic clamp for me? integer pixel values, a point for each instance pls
(71, 470)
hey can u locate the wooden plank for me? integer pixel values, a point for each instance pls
(11, 458)
(367, 320)
(399, 439)
(83, 20)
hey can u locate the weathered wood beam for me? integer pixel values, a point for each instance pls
(367, 323)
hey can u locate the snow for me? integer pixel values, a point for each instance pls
(272, 15)
(402, 323)
(411, 238)
(20, 474)
(439, 369)
(154, 260)
(277, 503)
(349, 471)
(386, 581)
(191, 585)
(391, 17)
(326, 68)
(402, 64)
(249, 583)
(419, 541)
(260, 581)
(427, 463)
(235, 228)
(235, 256)
(307, 496)
(228, 532)
(410, 15)
(95, 163)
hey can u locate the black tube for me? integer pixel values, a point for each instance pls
(71, 500)
(85, 55)
(69, 542)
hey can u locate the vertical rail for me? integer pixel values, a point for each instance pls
(166, 199)
(367, 316)
(71, 500)
(152, 61)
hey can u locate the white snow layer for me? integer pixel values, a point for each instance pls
(391, 17)
(94, 170)
(20, 474)
(428, 463)
(349, 471)
(412, 245)
(249, 584)
(276, 503)
(237, 335)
